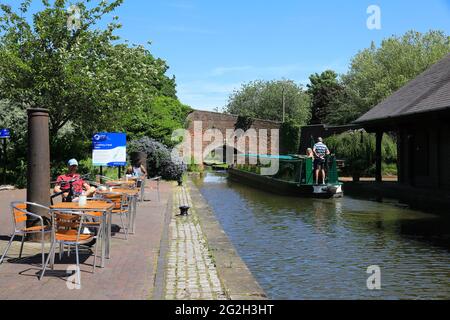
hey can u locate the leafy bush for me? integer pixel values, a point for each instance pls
(157, 119)
(290, 137)
(160, 161)
(193, 167)
(263, 100)
(357, 148)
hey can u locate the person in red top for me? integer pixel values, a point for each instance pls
(79, 185)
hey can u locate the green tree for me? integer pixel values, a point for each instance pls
(12, 117)
(264, 100)
(289, 137)
(357, 148)
(377, 72)
(86, 77)
(324, 90)
(82, 75)
(157, 119)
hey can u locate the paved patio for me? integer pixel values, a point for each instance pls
(129, 275)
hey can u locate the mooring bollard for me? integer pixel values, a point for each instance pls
(184, 210)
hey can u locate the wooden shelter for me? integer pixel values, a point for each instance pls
(420, 115)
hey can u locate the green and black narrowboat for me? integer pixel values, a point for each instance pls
(295, 176)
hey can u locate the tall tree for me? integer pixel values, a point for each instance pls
(65, 62)
(267, 99)
(324, 90)
(377, 72)
(158, 119)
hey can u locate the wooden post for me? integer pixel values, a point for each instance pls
(378, 156)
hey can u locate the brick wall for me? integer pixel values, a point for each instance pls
(224, 122)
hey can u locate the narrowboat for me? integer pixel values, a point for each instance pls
(295, 176)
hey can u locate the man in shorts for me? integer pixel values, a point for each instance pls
(320, 152)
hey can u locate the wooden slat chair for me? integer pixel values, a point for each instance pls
(158, 182)
(121, 207)
(20, 217)
(103, 179)
(93, 220)
(140, 185)
(67, 230)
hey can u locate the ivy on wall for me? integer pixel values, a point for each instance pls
(289, 137)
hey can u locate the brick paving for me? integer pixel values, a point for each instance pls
(129, 275)
(190, 273)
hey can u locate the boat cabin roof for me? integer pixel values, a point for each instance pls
(290, 158)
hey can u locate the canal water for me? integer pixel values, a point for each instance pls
(321, 249)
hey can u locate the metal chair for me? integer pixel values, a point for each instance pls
(121, 207)
(103, 179)
(20, 216)
(158, 181)
(67, 227)
(140, 185)
(92, 221)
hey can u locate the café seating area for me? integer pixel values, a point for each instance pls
(85, 224)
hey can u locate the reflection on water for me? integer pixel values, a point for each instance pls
(321, 249)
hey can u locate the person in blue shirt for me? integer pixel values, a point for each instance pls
(320, 152)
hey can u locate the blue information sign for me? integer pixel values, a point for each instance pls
(109, 149)
(5, 134)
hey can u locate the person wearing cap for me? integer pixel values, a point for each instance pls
(320, 152)
(79, 185)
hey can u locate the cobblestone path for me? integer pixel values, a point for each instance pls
(191, 273)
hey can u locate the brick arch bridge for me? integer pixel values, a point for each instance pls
(199, 122)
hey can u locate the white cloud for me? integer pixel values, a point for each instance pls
(278, 71)
(206, 95)
(212, 89)
(198, 87)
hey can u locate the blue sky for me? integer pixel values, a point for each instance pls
(213, 46)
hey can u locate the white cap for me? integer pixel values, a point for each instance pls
(73, 162)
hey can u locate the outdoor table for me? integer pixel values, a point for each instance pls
(121, 183)
(93, 206)
(132, 199)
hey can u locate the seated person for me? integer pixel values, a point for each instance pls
(130, 172)
(310, 155)
(139, 171)
(79, 185)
